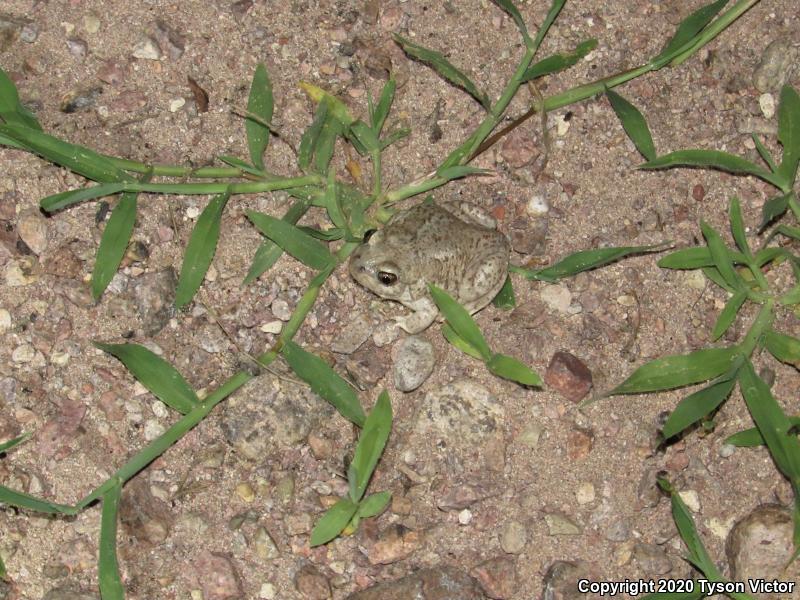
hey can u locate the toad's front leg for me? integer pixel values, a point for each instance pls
(424, 313)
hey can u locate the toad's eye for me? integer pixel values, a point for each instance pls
(387, 278)
(368, 235)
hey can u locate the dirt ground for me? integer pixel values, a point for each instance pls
(210, 519)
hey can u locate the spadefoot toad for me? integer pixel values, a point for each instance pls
(455, 247)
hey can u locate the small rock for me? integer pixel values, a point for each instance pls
(520, 148)
(217, 576)
(63, 263)
(497, 576)
(579, 443)
(767, 103)
(465, 517)
(652, 559)
(569, 376)
(5, 320)
(78, 48)
(29, 33)
(779, 64)
(154, 297)
(557, 297)
(147, 49)
(312, 584)
(698, 192)
(617, 531)
(585, 493)
(367, 365)
(352, 335)
(169, 40)
(513, 537)
(529, 236)
(32, 229)
(560, 524)
(537, 206)
(691, 499)
(280, 309)
(91, 23)
(111, 72)
(392, 544)
(440, 583)
(144, 517)
(560, 582)
(413, 363)
(760, 545)
(265, 546)
(24, 353)
(81, 99)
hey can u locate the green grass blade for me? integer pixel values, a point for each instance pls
(737, 227)
(395, 136)
(378, 117)
(678, 370)
(505, 298)
(634, 124)
(308, 143)
(107, 565)
(23, 500)
(6, 446)
(243, 165)
(371, 443)
(113, 243)
(331, 129)
(51, 204)
(772, 423)
(764, 153)
(269, 252)
(713, 274)
(719, 252)
(11, 109)
(549, 19)
(752, 437)
(460, 343)
(789, 133)
(774, 208)
(154, 373)
(785, 348)
(689, 28)
(333, 522)
(712, 159)
(460, 320)
(586, 260)
(699, 404)
(696, 257)
(696, 595)
(373, 505)
(559, 62)
(324, 381)
(300, 245)
(728, 314)
(443, 67)
(365, 135)
(510, 368)
(458, 171)
(508, 6)
(336, 108)
(200, 250)
(78, 159)
(261, 104)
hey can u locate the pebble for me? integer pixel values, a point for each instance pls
(78, 48)
(273, 327)
(280, 309)
(112, 73)
(465, 517)
(560, 524)
(29, 33)
(413, 363)
(569, 376)
(153, 430)
(760, 544)
(585, 494)
(351, 336)
(437, 583)
(560, 582)
(537, 205)
(690, 499)
(652, 559)
(24, 353)
(147, 49)
(367, 365)
(267, 591)
(217, 577)
(32, 229)
(91, 23)
(557, 297)
(312, 584)
(766, 102)
(513, 537)
(176, 104)
(169, 40)
(153, 295)
(520, 148)
(81, 99)
(5, 320)
(497, 576)
(265, 546)
(391, 545)
(779, 64)
(727, 450)
(579, 443)
(531, 435)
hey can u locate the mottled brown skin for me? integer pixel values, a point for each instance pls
(455, 248)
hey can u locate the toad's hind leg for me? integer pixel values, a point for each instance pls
(483, 280)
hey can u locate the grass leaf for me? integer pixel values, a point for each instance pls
(324, 381)
(713, 159)
(154, 373)
(737, 227)
(508, 6)
(634, 124)
(6, 446)
(696, 257)
(200, 250)
(505, 299)
(459, 342)
(371, 443)
(300, 245)
(774, 208)
(107, 565)
(78, 159)
(234, 161)
(586, 260)
(689, 28)
(378, 116)
(115, 239)
(728, 314)
(789, 133)
(719, 252)
(785, 348)
(310, 139)
(700, 404)
(373, 505)
(11, 109)
(61, 200)
(269, 252)
(752, 437)
(261, 104)
(23, 500)
(678, 370)
(509, 367)
(443, 67)
(460, 320)
(764, 153)
(458, 171)
(333, 522)
(559, 62)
